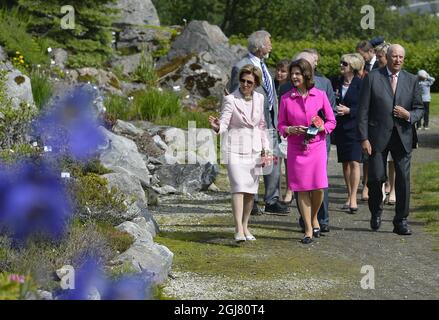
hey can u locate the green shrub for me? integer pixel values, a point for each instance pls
(153, 104)
(119, 107)
(15, 38)
(41, 87)
(19, 152)
(419, 55)
(145, 72)
(118, 240)
(89, 42)
(181, 119)
(95, 202)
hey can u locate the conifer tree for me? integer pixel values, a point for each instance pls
(89, 42)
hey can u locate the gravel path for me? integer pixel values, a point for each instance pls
(405, 267)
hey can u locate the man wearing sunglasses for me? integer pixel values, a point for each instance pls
(259, 47)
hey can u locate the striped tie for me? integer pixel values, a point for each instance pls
(268, 85)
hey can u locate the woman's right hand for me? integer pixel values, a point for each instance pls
(214, 123)
(296, 130)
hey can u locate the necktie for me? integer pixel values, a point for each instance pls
(393, 82)
(267, 84)
(368, 66)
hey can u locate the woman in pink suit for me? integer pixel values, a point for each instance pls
(243, 141)
(306, 153)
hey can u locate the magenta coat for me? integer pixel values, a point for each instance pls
(306, 166)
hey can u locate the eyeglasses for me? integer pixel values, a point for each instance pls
(344, 63)
(243, 81)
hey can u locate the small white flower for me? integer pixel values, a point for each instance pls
(38, 65)
(52, 61)
(188, 96)
(176, 88)
(47, 149)
(65, 175)
(160, 89)
(12, 151)
(130, 98)
(104, 109)
(49, 49)
(34, 144)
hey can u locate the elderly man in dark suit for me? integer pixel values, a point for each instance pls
(390, 103)
(259, 47)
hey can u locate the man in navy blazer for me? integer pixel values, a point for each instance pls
(367, 51)
(390, 103)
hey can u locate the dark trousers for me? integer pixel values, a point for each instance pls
(426, 113)
(377, 176)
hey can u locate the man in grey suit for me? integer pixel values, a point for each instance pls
(259, 47)
(390, 103)
(324, 84)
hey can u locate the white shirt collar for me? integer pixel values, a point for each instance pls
(372, 61)
(389, 73)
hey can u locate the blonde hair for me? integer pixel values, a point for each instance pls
(383, 47)
(253, 70)
(355, 61)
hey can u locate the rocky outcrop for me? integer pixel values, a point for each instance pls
(120, 154)
(3, 55)
(137, 12)
(144, 254)
(200, 60)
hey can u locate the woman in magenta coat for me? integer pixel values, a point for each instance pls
(298, 116)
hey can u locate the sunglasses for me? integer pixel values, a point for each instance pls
(243, 81)
(344, 63)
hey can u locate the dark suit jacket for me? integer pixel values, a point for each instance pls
(234, 84)
(375, 113)
(350, 100)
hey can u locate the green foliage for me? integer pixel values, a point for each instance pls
(13, 122)
(18, 42)
(118, 240)
(302, 20)
(41, 87)
(15, 287)
(181, 119)
(19, 152)
(94, 201)
(153, 104)
(434, 104)
(145, 72)
(209, 103)
(89, 42)
(118, 107)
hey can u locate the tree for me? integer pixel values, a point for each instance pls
(89, 42)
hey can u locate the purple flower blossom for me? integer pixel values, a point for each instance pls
(32, 200)
(17, 278)
(70, 126)
(90, 278)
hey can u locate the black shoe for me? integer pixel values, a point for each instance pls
(277, 207)
(256, 211)
(402, 229)
(353, 210)
(324, 228)
(375, 223)
(306, 240)
(316, 232)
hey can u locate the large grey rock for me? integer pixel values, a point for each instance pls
(18, 86)
(153, 258)
(128, 185)
(120, 154)
(133, 39)
(144, 254)
(3, 55)
(126, 128)
(200, 60)
(105, 80)
(137, 12)
(187, 178)
(127, 64)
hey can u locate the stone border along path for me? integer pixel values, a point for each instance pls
(405, 267)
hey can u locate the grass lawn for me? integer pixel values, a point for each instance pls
(434, 104)
(426, 197)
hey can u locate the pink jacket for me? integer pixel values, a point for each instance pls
(295, 111)
(240, 133)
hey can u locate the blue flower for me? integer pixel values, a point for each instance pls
(70, 126)
(135, 287)
(33, 200)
